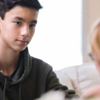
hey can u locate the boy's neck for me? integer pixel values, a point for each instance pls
(8, 61)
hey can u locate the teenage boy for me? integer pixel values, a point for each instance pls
(22, 77)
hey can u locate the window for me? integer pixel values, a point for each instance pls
(57, 39)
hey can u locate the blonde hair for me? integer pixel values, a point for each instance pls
(95, 38)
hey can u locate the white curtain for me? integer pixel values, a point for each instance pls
(57, 39)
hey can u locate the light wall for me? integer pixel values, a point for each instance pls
(91, 12)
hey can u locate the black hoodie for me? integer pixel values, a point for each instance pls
(30, 80)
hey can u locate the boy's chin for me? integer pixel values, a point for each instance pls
(19, 49)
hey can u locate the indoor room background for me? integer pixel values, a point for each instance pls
(62, 34)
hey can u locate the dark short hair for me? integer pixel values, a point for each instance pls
(6, 5)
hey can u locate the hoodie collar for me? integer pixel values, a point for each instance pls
(24, 66)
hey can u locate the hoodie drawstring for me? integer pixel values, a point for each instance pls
(20, 91)
(4, 89)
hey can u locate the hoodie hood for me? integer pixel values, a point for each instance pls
(24, 66)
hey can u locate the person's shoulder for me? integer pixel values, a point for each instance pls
(41, 64)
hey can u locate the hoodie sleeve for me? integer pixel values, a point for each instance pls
(54, 84)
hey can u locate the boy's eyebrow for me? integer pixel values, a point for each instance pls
(19, 18)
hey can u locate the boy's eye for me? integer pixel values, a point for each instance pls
(18, 23)
(32, 26)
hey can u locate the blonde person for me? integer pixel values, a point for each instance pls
(95, 54)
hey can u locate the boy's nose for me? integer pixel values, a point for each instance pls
(25, 31)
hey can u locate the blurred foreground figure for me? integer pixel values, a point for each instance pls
(95, 54)
(55, 95)
(23, 77)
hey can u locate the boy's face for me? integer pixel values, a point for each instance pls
(18, 27)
